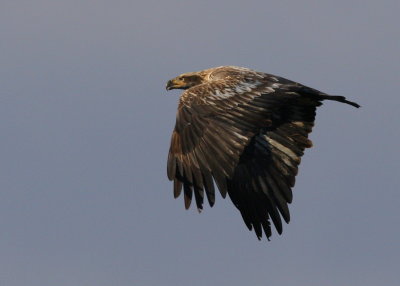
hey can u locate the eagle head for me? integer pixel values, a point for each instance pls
(185, 81)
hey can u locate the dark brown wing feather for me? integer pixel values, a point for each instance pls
(261, 185)
(248, 136)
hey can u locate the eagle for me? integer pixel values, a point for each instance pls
(244, 131)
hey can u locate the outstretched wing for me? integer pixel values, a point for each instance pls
(246, 135)
(261, 185)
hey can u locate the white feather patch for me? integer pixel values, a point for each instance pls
(276, 85)
(268, 90)
(241, 88)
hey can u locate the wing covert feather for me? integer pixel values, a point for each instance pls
(248, 139)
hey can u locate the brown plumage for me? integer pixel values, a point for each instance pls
(246, 131)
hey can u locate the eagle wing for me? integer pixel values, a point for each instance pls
(248, 136)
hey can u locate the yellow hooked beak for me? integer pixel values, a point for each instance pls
(175, 83)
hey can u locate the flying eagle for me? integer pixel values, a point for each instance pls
(246, 131)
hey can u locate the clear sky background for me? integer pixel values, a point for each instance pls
(85, 124)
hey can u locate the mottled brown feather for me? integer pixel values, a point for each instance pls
(246, 131)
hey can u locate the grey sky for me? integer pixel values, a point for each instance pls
(85, 127)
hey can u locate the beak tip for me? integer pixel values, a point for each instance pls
(169, 85)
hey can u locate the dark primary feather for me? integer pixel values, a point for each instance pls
(246, 131)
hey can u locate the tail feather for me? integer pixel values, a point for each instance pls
(340, 99)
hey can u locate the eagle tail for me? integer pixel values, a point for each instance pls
(339, 98)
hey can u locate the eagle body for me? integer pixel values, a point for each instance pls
(246, 131)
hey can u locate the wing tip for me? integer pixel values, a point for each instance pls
(177, 188)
